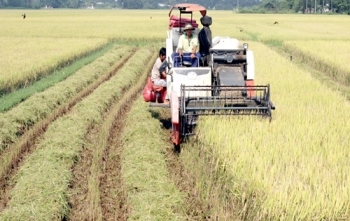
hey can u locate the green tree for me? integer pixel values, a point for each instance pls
(132, 4)
(15, 3)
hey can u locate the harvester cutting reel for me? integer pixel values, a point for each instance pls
(231, 100)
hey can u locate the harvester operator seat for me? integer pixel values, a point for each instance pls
(205, 40)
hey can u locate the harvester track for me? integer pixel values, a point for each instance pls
(15, 155)
(196, 209)
(186, 183)
(195, 174)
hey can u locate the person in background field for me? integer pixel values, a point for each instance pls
(187, 48)
(159, 78)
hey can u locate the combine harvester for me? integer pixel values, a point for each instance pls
(221, 85)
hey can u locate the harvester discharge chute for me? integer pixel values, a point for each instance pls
(222, 84)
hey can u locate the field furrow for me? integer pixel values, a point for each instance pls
(186, 182)
(151, 194)
(48, 167)
(17, 152)
(21, 118)
(164, 185)
(195, 174)
(98, 191)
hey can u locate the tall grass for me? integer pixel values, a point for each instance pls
(294, 168)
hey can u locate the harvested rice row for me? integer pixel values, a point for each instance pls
(42, 183)
(151, 193)
(13, 155)
(39, 106)
(97, 191)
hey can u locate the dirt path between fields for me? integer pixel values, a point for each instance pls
(14, 156)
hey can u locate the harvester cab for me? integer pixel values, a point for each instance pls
(224, 85)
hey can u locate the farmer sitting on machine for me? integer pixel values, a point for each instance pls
(187, 48)
(155, 89)
(158, 78)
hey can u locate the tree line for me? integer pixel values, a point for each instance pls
(240, 6)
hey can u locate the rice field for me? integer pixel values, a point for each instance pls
(24, 60)
(329, 56)
(294, 168)
(89, 148)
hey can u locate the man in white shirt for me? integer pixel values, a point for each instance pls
(187, 48)
(159, 78)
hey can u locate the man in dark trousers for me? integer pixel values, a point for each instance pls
(205, 38)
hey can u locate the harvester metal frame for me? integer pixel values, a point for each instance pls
(226, 104)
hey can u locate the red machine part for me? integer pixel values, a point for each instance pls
(188, 7)
(150, 92)
(250, 91)
(176, 22)
(175, 119)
